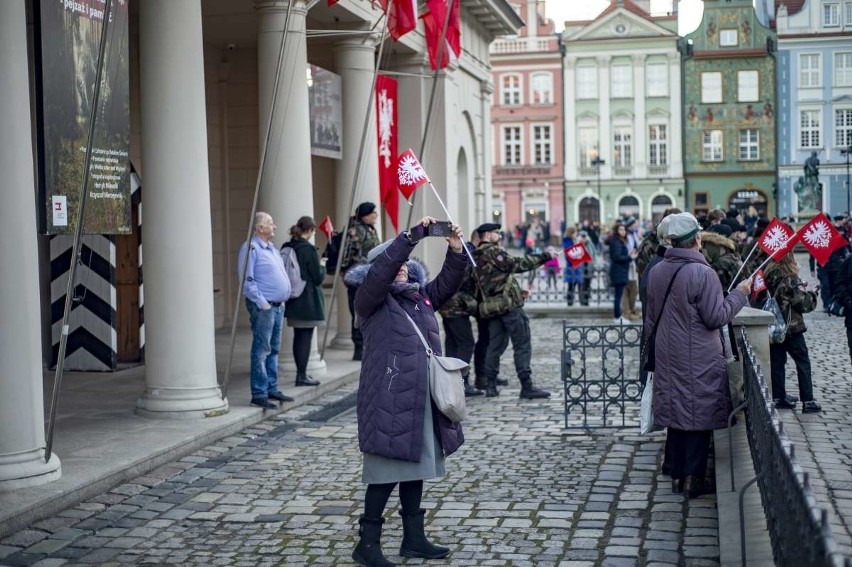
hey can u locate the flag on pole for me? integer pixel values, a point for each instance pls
(326, 227)
(777, 240)
(577, 255)
(402, 16)
(433, 21)
(821, 238)
(386, 115)
(758, 284)
(410, 174)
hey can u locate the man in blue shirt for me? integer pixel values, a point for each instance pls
(266, 288)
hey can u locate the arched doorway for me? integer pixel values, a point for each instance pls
(659, 204)
(628, 206)
(589, 210)
(742, 199)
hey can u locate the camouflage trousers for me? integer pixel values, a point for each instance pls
(514, 326)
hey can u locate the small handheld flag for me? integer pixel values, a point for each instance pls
(410, 174)
(758, 284)
(577, 255)
(327, 227)
(821, 238)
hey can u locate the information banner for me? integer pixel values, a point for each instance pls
(69, 41)
(325, 93)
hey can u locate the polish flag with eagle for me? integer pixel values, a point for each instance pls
(821, 238)
(777, 239)
(386, 112)
(410, 174)
(577, 255)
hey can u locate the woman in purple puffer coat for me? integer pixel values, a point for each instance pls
(402, 435)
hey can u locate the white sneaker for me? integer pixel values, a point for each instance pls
(618, 321)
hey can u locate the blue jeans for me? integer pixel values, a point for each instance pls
(265, 344)
(618, 292)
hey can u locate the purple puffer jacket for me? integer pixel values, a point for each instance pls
(690, 383)
(394, 366)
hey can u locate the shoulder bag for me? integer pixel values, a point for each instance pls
(445, 380)
(650, 345)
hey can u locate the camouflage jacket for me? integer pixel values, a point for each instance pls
(721, 253)
(464, 302)
(495, 269)
(362, 238)
(791, 298)
(646, 252)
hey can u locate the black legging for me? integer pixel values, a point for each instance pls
(376, 498)
(302, 348)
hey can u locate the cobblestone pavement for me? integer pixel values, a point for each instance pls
(522, 491)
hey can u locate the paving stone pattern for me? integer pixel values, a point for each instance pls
(522, 491)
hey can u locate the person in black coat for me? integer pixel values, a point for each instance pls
(619, 267)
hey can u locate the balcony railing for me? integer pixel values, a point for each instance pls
(622, 170)
(588, 172)
(522, 45)
(658, 170)
(523, 169)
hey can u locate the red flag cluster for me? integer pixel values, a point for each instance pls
(386, 113)
(577, 255)
(819, 236)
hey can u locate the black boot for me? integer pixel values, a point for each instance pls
(502, 382)
(414, 542)
(305, 380)
(359, 353)
(480, 383)
(530, 392)
(470, 391)
(695, 486)
(369, 549)
(491, 390)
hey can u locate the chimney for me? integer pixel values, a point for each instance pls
(675, 7)
(645, 5)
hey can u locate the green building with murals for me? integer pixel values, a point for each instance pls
(729, 110)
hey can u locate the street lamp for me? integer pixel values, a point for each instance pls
(598, 162)
(846, 152)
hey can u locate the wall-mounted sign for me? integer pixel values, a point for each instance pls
(325, 95)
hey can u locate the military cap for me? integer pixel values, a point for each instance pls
(487, 227)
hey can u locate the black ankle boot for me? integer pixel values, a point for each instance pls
(502, 381)
(694, 487)
(491, 390)
(480, 383)
(369, 549)
(470, 391)
(305, 380)
(414, 542)
(530, 392)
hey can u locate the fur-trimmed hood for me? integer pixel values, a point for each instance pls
(719, 240)
(417, 272)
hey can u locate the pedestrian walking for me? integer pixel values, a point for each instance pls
(402, 435)
(619, 268)
(687, 310)
(503, 301)
(631, 289)
(305, 312)
(266, 287)
(362, 238)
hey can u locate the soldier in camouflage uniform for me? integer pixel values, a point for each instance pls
(503, 301)
(362, 238)
(649, 246)
(721, 253)
(783, 283)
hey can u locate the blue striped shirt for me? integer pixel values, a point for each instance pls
(266, 278)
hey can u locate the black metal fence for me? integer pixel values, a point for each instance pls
(600, 375)
(798, 526)
(547, 288)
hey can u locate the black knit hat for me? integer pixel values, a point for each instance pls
(365, 209)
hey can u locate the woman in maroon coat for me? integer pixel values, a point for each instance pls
(402, 435)
(691, 394)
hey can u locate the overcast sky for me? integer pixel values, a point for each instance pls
(561, 10)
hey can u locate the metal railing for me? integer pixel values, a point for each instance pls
(798, 525)
(593, 291)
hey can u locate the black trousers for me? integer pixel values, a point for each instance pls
(514, 325)
(480, 350)
(459, 342)
(357, 337)
(302, 348)
(686, 452)
(794, 345)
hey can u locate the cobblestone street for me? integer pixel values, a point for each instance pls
(522, 491)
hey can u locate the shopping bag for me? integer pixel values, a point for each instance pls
(646, 415)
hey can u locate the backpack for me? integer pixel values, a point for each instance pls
(332, 252)
(294, 273)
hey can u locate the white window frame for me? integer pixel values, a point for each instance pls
(515, 144)
(848, 14)
(810, 128)
(748, 90)
(587, 90)
(622, 149)
(842, 132)
(658, 141)
(547, 97)
(588, 151)
(843, 74)
(810, 75)
(831, 15)
(539, 145)
(750, 146)
(710, 147)
(653, 86)
(621, 80)
(711, 93)
(517, 91)
(728, 37)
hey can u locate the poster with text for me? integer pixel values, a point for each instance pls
(325, 93)
(69, 42)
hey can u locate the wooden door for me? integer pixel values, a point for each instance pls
(127, 280)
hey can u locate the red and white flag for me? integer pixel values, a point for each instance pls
(386, 115)
(777, 239)
(577, 255)
(327, 227)
(821, 238)
(433, 21)
(409, 174)
(758, 284)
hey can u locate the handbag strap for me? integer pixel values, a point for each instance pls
(419, 334)
(666, 297)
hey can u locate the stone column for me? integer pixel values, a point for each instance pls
(640, 121)
(286, 188)
(355, 63)
(483, 200)
(180, 369)
(21, 401)
(605, 137)
(569, 122)
(676, 119)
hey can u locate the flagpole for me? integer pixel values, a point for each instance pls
(450, 218)
(770, 257)
(433, 94)
(371, 101)
(743, 265)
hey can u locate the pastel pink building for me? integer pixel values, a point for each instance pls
(527, 117)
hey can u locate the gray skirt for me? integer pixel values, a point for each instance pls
(382, 470)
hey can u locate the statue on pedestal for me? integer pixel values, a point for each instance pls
(808, 188)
